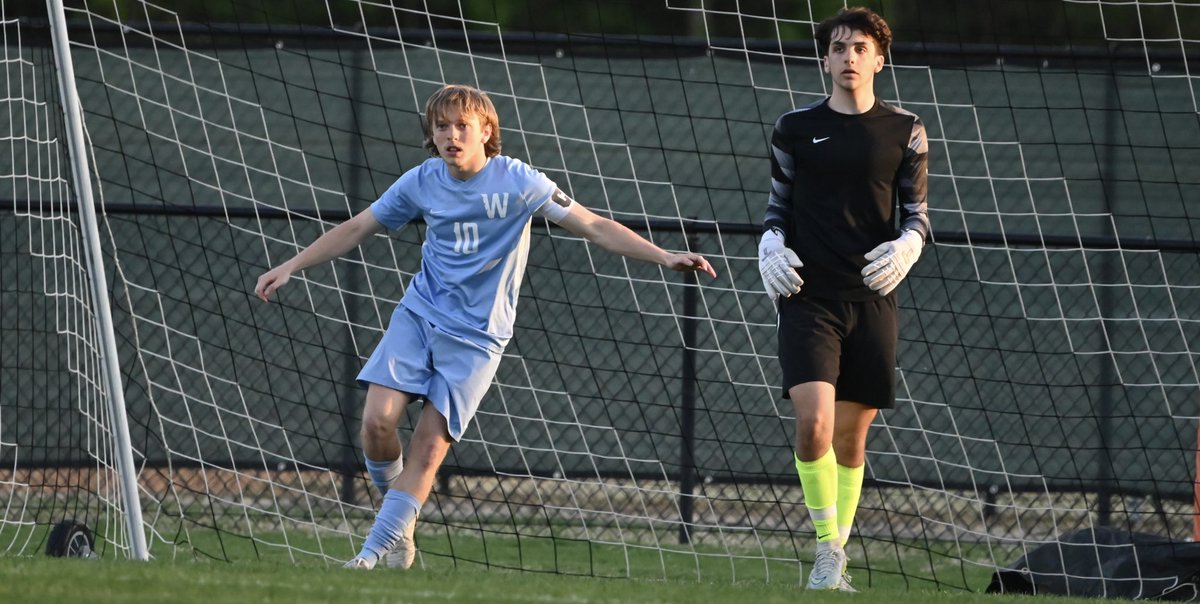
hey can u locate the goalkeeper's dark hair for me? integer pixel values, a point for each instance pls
(467, 101)
(859, 19)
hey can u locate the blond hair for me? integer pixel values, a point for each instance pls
(467, 101)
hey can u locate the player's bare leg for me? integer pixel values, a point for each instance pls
(814, 406)
(816, 465)
(851, 424)
(381, 446)
(392, 534)
(381, 417)
(430, 443)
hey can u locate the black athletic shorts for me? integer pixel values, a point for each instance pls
(851, 345)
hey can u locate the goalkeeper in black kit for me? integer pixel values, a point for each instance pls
(845, 221)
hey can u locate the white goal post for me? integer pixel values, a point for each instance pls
(113, 388)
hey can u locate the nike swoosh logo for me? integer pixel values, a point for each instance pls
(819, 140)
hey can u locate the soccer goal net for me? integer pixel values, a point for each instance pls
(1047, 377)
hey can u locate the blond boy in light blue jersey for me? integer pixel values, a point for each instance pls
(446, 337)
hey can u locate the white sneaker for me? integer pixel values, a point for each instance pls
(359, 563)
(827, 570)
(844, 584)
(405, 551)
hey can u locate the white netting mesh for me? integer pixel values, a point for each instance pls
(1047, 376)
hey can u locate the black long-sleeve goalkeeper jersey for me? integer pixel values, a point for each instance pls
(838, 182)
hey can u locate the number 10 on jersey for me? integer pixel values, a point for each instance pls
(466, 237)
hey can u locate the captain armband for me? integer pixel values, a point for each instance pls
(557, 207)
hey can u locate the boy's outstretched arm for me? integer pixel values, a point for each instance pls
(617, 238)
(339, 240)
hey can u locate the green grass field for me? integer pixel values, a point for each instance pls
(41, 579)
(463, 567)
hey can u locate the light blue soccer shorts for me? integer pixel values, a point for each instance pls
(449, 371)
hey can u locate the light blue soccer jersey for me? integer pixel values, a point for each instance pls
(476, 245)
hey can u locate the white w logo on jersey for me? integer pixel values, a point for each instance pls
(496, 205)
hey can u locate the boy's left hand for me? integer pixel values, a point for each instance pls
(890, 262)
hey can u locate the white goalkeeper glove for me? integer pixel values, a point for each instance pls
(890, 262)
(777, 264)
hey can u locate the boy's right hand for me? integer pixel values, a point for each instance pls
(777, 264)
(271, 281)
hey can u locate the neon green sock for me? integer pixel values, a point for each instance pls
(849, 490)
(819, 481)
